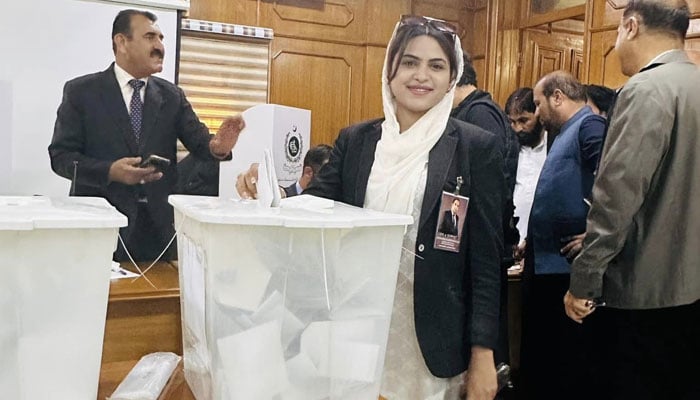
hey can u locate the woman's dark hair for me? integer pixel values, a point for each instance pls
(406, 33)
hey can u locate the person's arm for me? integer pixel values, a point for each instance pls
(591, 137)
(637, 140)
(484, 220)
(488, 119)
(328, 182)
(195, 135)
(68, 144)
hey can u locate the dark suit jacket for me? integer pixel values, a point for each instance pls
(291, 190)
(456, 295)
(93, 130)
(447, 227)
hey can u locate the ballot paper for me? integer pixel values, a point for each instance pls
(253, 362)
(342, 349)
(242, 286)
(268, 189)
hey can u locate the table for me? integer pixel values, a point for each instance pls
(140, 320)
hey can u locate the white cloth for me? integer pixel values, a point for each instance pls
(123, 79)
(406, 377)
(530, 162)
(400, 156)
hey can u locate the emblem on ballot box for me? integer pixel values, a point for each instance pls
(293, 149)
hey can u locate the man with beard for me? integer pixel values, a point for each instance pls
(533, 144)
(554, 353)
(108, 122)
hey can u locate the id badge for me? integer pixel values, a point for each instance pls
(450, 225)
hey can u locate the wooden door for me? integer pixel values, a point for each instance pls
(546, 52)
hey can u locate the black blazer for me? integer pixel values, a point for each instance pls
(92, 130)
(290, 190)
(456, 295)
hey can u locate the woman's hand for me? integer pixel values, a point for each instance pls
(480, 379)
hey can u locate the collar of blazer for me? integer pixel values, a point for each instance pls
(439, 161)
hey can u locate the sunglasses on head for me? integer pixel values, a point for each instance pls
(437, 24)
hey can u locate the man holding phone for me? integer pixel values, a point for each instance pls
(108, 122)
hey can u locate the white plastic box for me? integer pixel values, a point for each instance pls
(55, 257)
(285, 304)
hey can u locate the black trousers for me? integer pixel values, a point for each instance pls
(557, 358)
(651, 354)
(145, 242)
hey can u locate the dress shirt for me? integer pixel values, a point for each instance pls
(530, 162)
(123, 79)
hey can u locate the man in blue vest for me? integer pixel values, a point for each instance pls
(553, 354)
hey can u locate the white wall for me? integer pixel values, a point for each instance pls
(43, 44)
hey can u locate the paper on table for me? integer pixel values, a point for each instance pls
(118, 272)
(253, 362)
(267, 187)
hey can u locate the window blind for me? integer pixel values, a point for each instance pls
(223, 68)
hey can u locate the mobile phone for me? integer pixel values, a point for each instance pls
(160, 163)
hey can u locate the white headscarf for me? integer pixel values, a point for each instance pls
(400, 157)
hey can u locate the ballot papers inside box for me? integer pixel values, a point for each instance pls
(285, 303)
(56, 258)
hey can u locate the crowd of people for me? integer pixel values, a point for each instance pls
(590, 189)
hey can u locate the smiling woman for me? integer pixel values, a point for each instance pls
(445, 315)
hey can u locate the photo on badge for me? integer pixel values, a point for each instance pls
(450, 224)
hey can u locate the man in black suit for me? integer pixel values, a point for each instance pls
(108, 121)
(450, 219)
(314, 159)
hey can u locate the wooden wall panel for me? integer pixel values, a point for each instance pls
(544, 53)
(323, 77)
(372, 95)
(604, 65)
(607, 13)
(577, 65)
(507, 65)
(331, 20)
(242, 12)
(479, 33)
(452, 11)
(381, 19)
(341, 41)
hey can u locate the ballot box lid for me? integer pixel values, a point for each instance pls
(38, 212)
(216, 210)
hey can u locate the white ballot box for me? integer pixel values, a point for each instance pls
(285, 303)
(55, 263)
(284, 130)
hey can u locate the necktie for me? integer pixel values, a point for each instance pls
(136, 107)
